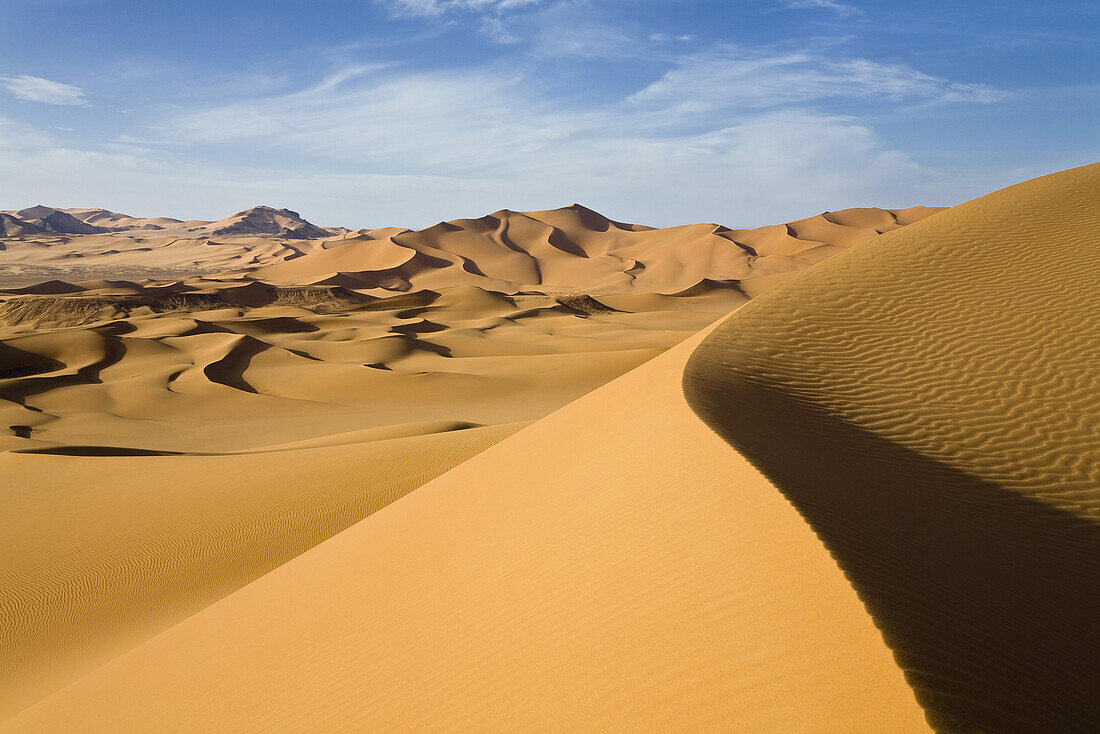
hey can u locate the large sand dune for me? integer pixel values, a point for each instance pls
(613, 567)
(158, 461)
(943, 386)
(863, 502)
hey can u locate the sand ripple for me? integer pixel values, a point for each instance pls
(929, 403)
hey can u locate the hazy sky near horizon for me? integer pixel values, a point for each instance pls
(366, 113)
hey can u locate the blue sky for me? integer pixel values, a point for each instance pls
(406, 112)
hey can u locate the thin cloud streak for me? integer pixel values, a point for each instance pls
(842, 10)
(730, 77)
(37, 89)
(436, 8)
(715, 126)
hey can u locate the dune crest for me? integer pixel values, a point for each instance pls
(942, 386)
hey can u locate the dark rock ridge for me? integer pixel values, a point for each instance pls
(48, 219)
(266, 220)
(13, 227)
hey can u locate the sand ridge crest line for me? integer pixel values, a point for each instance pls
(945, 402)
(329, 378)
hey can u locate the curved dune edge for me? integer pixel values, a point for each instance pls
(941, 387)
(614, 566)
(146, 542)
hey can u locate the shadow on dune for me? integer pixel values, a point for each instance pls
(230, 369)
(988, 598)
(97, 451)
(15, 363)
(30, 367)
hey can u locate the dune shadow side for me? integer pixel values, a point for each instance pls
(989, 599)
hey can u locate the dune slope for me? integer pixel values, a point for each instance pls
(940, 388)
(92, 566)
(615, 566)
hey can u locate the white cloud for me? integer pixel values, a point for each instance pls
(841, 9)
(37, 89)
(726, 136)
(551, 28)
(732, 78)
(579, 28)
(405, 122)
(739, 147)
(766, 168)
(439, 7)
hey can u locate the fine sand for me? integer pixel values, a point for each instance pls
(942, 391)
(614, 566)
(169, 441)
(339, 491)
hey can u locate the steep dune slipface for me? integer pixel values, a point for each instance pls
(930, 404)
(614, 567)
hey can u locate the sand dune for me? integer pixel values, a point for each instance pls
(548, 251)
(173, 446)
(158, 538)
(221, 369)
(114, 221)
(578, 249)
(173, 439)
(929, 561)
(613, 567)
(446, 312)
(944, 386)
(647, 557)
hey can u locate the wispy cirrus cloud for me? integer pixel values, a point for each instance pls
(721, 123)
(730, 77)
(843, 10)
(37, 89)
(430, 8)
